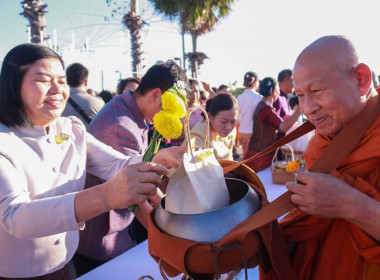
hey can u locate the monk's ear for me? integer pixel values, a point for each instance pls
(363, 75)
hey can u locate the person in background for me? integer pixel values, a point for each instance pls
(193, 100)
(80, 103)
(92, 92)
(267, 124)
(206, 87)
(285, 83)
(223, 89)
(248, 101)
(125, 84)
(106, 95)
(299, 145)
(223, 113)
(334, 231)
(122, 124)
(203, 97)
(43, 161)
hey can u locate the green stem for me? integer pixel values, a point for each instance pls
(153, 147)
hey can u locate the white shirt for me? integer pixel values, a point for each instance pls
(38, 183)
(248, 101)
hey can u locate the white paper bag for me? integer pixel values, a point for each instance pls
(198, 185)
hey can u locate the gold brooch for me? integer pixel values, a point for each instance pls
(60, 137)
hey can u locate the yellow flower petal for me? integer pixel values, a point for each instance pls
(180, 91)
(167, 124)
(173, 104)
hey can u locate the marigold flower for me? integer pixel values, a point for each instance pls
(167, 124)
(179, 89)
(172, 103)
(293, 166)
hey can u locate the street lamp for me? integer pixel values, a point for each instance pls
(117, 71)
(180, 61)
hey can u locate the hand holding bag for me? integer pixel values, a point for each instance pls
(198, 185)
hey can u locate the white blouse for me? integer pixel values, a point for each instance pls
(39, 179)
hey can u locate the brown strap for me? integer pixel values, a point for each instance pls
(328, 160)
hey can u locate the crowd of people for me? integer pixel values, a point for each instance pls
(71, 159)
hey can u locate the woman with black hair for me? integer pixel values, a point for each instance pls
(223, 112)
(267, 125)
(43, 162)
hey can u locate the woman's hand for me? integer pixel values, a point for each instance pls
(170, 157)
(132, 185)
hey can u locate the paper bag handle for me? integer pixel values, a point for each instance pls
(206, 143)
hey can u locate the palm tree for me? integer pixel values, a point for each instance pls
(34, 11)
(196, 17)
(133, 22)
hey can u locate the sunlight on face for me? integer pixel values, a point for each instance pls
(44, 91)
(329, 99)
(224, 122)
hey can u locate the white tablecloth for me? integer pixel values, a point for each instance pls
(137, 262)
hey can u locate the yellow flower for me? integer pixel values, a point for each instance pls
(179, 90)
(293, 166)
(172, 103)
(167, 124)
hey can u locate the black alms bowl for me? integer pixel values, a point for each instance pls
(211, 226)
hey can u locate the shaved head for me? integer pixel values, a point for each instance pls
(334, 51)
(331, 84)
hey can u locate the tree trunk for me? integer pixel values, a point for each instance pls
(183, 50)
(194, 62)
(134, 24)
(34, 11)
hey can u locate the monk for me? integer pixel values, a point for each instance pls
(335, 231)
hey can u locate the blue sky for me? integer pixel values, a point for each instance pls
(264, 36)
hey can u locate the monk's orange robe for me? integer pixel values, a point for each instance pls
(334, 248)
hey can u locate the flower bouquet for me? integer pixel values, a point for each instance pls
(167, 123)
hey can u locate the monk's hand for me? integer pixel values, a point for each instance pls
(321, 195)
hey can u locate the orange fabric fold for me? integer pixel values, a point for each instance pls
(335, 248)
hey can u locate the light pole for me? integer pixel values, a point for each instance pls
(180, 61)
(117, 71)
